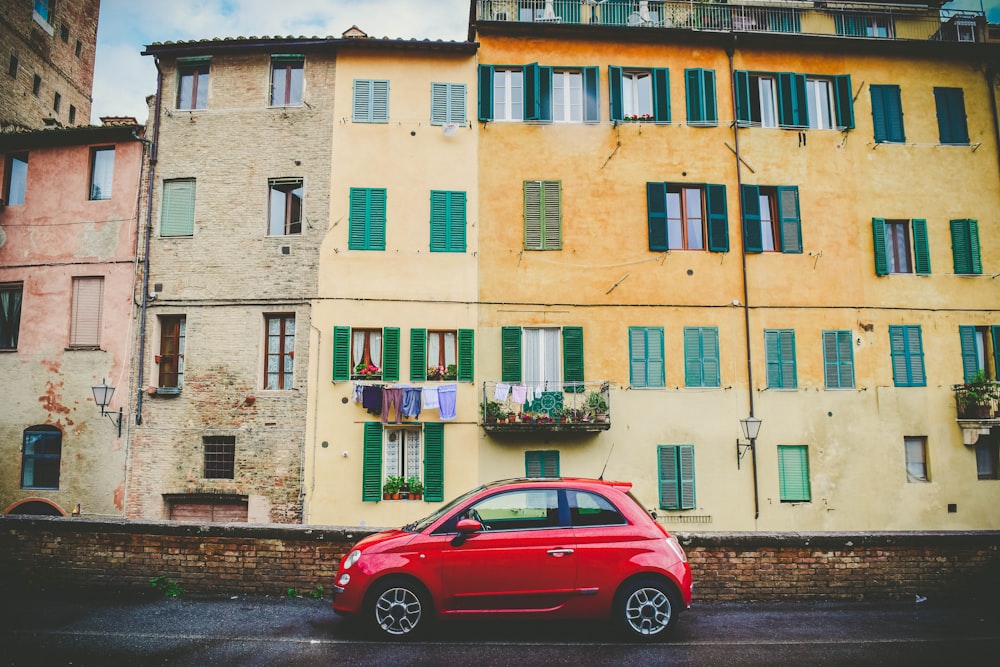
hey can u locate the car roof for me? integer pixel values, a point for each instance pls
(562, 481)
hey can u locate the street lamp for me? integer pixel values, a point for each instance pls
(751, 427)
(102, 396)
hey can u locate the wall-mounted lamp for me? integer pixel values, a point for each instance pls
(751, 427)
(102, 396)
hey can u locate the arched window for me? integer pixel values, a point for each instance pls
(40, 456)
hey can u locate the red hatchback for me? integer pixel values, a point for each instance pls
(530, 548)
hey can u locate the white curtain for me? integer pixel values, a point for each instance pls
(543, 358)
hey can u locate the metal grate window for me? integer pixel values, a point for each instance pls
(220, 456)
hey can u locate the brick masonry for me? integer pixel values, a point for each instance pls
(48, 553)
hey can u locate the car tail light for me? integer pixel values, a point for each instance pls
(675, 546)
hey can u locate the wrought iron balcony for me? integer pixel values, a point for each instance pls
(841, 19)
(547, 407)
(977, 400)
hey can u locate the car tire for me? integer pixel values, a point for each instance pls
(646, 609)
(397, 609)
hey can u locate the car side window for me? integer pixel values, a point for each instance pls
(526, 509)
(590, 509)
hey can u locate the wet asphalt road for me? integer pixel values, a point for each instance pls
(46, 629)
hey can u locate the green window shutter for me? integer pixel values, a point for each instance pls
(906, 346)
(447, 103)
(418, 355)
(510, 354)
(952, 121)
(792, 99)
(921, 251)
(572, 345)
(844, 101)
(701, 104)
(177, 209)
(371, 101)
(965, 247)
(661, 95)
(656, 212)
(637, 357)
(533, 215)
(838, 360)
(447, 221)
(881, 255)
(887, 113)
(741, 83)
(466, 355)
(367, 219)
(970, 357)
(434, 462)
(685, 455)
(718, 218)
(376, 237)
(995, 335)
(544, 98)
(788, 218)
(532, 94)
(390, 354)
(380, 102)
(615, 92)
(591, 95)
(793, 473)
(646, 365)
(552, 211)
(485, 92)
(669, 477)
(543, 463)
(371, 465)
(753, 239)
(779, 356)
(341, 354)
(542, 215)
(879, 113)
(710, 356)
(701, 357)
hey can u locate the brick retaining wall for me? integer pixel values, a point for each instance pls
(56, 553)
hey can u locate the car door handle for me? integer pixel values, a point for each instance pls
(559, 553)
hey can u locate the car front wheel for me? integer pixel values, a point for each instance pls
(397, 609)
(646, 609)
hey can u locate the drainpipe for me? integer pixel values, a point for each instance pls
(140, 376)
(743, 258)
(991, 75)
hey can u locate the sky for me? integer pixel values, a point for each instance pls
(123, 78)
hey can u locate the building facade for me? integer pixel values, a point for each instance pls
(48, 55)
(68, 235)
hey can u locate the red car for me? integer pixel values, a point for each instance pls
(525, 548)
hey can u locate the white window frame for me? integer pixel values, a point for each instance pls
(402, 452)
(567, 96)
(819, 104)
(508, 95)
(915, 449)
(541, 358)
(637, 93)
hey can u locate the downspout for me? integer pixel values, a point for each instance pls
(991, 74)
(743, 258)
(140, 376)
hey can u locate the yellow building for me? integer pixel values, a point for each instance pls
(717, 211)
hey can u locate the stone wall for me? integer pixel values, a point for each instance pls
(58, 553)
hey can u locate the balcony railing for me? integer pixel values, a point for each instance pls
(893, 22)
(548, 407)
(978, 401)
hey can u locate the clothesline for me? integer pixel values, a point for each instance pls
(408, 401)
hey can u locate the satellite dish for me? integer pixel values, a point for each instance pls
(449, 129)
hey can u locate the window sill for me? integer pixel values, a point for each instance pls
(164, 391)
(46, 26)
(83, 348)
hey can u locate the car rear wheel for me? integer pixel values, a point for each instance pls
(646, 609)
(397, 609)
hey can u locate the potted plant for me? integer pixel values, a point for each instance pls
(511, 417)
(365, 371)
(492, 412)
(978, 397)
(416, 487)
(390, 489)
(597, 407)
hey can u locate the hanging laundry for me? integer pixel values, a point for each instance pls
(392, 398)
(501, 391)
(447, 396)
(411, 402)
(430, 396)
(518, 394)
(358, 389)
(371, 399)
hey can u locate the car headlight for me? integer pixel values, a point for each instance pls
(344, 580)
(352, 558)
(675, 546)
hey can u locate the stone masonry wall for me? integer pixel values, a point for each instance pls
(58, 553)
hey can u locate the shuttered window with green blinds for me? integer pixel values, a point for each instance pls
(701, 105)
(463, 354)
(636, 94)
(779, 357)
(371, 101)
(838, 360)
(893, 244)
(541, 463)
(676, 474)
(434, 462)
(701, 357)
(646, 362)
(367, 219)
(572, 357)
(978, 343)
(771, 219)
(965, 247)
(448, 103)
(887, 113)
(371, 464)
(448, 221)
(952, 122)
(793, 473)
(387, 356)
(177, 211)
(542, 215)
(907, 352)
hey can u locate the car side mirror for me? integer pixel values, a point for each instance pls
(468, 526)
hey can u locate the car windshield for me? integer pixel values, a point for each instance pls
(422, 524)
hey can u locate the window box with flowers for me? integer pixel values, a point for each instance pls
(638, 118)
(449, 372)
(365, 371)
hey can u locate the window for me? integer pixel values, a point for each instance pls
(280, 359)
(779, 357)
(11, 295)
(980, 347)
(56, 102)
(441, 355)
(177, 214)
(987, 456)
(448, 103)
(680, 215)
(171, 356)
(404, 459)
(371, 101)
(528, 509)
(448, 222)
(887, 114)
(15, 178)
(771, 221)
(793, 473)
(41, 452)
(541, 463)
(508, 95)
(639, 94)
(798, 100)
(286, 80)
(756, 99)
(894, 252)
(102, 170)
(838, 360)
(952, 121)
(85, 323)
(965, 247)
(367, 219)
(285, 207)
(591, 509)
(220, 456)
(533, 92)
(365, 354)
(646, 359)
(907, 354)
(567, 96)
(543, 215)
(700, 88)
(864, 25)
(79, 48)
(12, 66)
(64, 33)
(543, 358)
(676, 475)
(701, 357)
(819, 103)
(192, 84)
(72, 115)
(36, 85)
(916, 459)
(44, 8)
